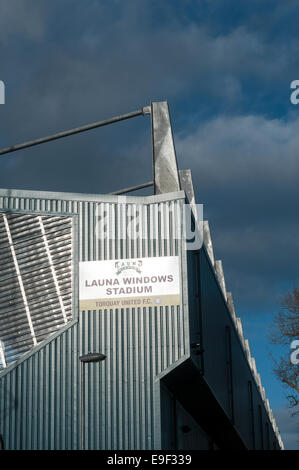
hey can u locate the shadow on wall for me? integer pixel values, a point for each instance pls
(11, 405)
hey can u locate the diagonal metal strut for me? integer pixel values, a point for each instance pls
(77, 130)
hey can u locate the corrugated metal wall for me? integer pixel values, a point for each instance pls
(39, 398)
(230, 383)
(139, 343)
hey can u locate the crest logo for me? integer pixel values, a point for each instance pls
(121, 266)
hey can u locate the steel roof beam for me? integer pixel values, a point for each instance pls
(77, 130)
(165, 167)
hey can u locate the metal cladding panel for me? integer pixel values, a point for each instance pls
(216, 320)
(44, 387)
(40, 393)
(38, 399)
(139, 342)
(35, 280)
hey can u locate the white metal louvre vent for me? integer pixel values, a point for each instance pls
(35, 280)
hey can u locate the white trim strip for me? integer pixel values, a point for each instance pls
(2, 355)
(19, 279)
(52, 268)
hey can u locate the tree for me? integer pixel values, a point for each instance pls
(285, 332)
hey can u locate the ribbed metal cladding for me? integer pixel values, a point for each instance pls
(38, 400)
(140, 343)
(35, 280)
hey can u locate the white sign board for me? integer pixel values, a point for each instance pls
(139, 282)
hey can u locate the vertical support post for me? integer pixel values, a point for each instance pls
(229, 363)
(187, 186)
(208, 241)
(251, 410)
(165, 168)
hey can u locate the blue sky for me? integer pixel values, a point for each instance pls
(225, 69)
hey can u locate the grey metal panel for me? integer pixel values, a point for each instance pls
(44, 200)
(215, 317)
(139, 343)
(35, 280)
(220, 275)
(168, 419)
(213, 330)
(166, 176)
(187, 185)
(38, 406)
(208, 241)
(178, 428)
(193, 437)
(40, 395)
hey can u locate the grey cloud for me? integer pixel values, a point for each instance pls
(243, 147)
(21, 19)
(113, 57)
(245, 171)
(105, 58)
(72, 62)
(288, 428)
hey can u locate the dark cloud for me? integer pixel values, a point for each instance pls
(98, 58)
(84, 62)
(21, 20)
(245, 171)
(224, 67)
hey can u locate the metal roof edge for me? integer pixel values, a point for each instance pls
(90, 197)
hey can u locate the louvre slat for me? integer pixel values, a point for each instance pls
(36, 311)
(35, 279)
